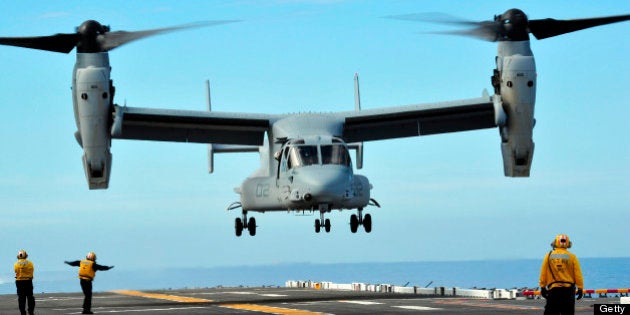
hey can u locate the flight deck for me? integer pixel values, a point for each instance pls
(281, 300)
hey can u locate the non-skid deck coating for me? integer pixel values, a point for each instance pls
(278, 301)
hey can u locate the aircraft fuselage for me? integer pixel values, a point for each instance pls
(318, 186)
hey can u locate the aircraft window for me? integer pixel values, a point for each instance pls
(335, 154)
(303, 155)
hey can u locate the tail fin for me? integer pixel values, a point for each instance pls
(357, 107)
(210, 145)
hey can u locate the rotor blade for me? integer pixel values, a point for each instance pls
(63, 43)
(485, 30)
(432, 17)
(545, 28)
(111, 40)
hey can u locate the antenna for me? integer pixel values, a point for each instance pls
(357, 107)
(208, 101)
(357, 95)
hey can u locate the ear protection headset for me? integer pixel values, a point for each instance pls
(561, 240)
(22, 254)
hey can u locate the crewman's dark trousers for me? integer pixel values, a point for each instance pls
(86, 286)
(560, 301)
(24, 293)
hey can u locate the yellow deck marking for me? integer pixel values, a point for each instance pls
(269, 309)
(159, 296)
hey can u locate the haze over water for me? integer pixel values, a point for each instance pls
(599, 273)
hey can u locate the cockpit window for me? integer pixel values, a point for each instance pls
(335, 154)
(303, 155)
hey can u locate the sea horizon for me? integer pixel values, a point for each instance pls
(598, 273)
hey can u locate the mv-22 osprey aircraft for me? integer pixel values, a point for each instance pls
(305, 160)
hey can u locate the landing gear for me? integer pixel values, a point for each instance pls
(354, 223)
(239, 225)
(321, 222)
(251, 226)
(359, 219)
(367, 223)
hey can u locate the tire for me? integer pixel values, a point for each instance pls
(238, 226)
(251, 226)
(367, 223)
(327, 225)
(354, 223)
(318, 226)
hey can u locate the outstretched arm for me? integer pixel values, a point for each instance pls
(75, 263)
(98, 267)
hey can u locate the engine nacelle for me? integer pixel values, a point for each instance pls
(92, 94)
(518, 94)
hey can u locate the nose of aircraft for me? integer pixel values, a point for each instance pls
(324, 184)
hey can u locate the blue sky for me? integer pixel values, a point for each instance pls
(443, 197)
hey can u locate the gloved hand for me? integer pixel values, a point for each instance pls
(544, 292)
(580, 294)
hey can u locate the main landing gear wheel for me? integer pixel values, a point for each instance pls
(251, 226)
(239, 225)
(367, 223)
(359, 219)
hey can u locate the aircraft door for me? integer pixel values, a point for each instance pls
(282, 174)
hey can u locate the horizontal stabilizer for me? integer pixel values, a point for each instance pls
(227, 148)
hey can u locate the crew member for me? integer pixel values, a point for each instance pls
(24, 282)
(560, 274)
(87, 271)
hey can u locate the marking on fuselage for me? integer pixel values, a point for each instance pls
(262, 190)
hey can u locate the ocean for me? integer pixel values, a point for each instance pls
(599, 273)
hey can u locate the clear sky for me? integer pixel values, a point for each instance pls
(443, 197)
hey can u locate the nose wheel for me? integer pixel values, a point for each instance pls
(322, 223)
(240, 225)
(359, 219)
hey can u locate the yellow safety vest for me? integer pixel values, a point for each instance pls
(23, 269)
(561, 268)
(86, 270)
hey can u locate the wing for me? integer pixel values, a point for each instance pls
(420, 120)
(189, 126)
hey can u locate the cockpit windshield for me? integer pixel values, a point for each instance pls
(305, 155)
(335, 154)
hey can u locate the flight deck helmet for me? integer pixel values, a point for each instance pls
(22, 254)
(91, 256)
(561, 241)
